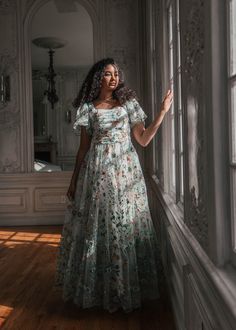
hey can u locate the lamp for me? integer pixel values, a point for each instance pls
(50, 43)
(51, 90)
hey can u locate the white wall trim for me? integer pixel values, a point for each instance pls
(217, 286)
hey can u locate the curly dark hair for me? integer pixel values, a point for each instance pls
(91, 86)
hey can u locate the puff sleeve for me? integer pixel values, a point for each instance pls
(82, 119)
(135, 112)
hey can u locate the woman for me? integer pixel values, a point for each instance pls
(107, 254)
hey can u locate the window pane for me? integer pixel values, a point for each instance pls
(179, 89)
(170, 22)
(233, 122)
(172, 110)
(181, 158)
(232, 23)
(182, 177)
(173, 185)
(180, 131)
(233, 203)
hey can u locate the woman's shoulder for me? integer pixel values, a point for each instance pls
(85, 107)
(131, 104)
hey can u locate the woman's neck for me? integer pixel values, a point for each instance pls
(105, 96)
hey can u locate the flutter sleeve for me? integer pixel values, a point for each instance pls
(135, 112)
(82, 119)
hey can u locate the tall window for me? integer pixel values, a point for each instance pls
(172, 154)
(180, 170)
(232, 108)
(175, 117)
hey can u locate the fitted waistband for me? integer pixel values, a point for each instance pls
(119, 137)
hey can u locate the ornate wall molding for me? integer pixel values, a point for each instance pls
(121, 38)
(8, 22)
(192, 15)
(9, 65)
(7, 6)
(9, 166)
(193, 41)
(199, 290)
(10, 120)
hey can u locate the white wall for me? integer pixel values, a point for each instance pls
(39, 198)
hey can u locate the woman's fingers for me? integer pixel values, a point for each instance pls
(167, 101)
(169, 95)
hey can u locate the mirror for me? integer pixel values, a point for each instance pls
(67, 32)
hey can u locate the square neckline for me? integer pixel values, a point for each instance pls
(104, 109)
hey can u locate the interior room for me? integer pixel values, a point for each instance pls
(46, 50)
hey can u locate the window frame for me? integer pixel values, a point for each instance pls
(231, 80)
(178, 194)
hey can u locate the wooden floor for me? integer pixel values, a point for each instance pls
(28, 300)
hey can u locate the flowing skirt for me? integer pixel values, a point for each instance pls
(108, 254)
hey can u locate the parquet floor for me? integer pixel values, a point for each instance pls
(28, 300)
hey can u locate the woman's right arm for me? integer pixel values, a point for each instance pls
(85, 141)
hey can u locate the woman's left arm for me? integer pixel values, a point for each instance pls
(144, 135)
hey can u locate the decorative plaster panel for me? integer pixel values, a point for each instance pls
(12, 107)
(201, 297)
(49, 199)
(192, 52)
(10, 138)
(9, 148)
(13, 200)
(198, 313)
(121, 36)
(7, 5)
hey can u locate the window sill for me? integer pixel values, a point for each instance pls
(171, 208)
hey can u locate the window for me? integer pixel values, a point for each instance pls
(232, 109)
(172, 150)
(156, 82)
(180, 176)
(175, 116)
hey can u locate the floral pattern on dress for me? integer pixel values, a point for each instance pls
(108, 250)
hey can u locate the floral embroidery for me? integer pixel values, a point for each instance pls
(108, 249)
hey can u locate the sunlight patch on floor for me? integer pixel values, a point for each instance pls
(12, 238)
(4, 313)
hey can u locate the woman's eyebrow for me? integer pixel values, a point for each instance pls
(107, 71)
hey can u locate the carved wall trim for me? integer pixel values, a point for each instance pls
(192, 15)
(9, 166)
(13, 200)
(48, 199)
(31, 194)
(7, 6)
(205, 289)
(10, 148)
(196, 308)
(122, 46)
(10, 66)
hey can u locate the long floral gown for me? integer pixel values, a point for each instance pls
(108, 251)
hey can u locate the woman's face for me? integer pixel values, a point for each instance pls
(110, 79)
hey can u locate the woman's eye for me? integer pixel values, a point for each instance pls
(107, 74)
